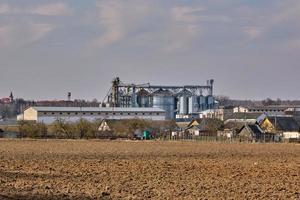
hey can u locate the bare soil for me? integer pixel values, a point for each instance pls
(67, 169)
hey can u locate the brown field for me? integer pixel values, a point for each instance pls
(94, 169)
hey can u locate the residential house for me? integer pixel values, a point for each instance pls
(254, 133)
(285, 125)
(204, 127)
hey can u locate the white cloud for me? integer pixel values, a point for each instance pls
(4, 8)
(288, 11)
(252, 32)
(186, 13)
(110, 16)
(118, 19)
(55, 9)
(52, 9)
(260, 22)
(18, 35)
(293, 43)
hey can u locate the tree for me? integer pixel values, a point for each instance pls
(63, 129)
(85, 129)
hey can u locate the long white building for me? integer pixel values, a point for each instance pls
(48, 115)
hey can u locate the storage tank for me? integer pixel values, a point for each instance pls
(183, 103)
(210, 102)
(193, 104)
(165, 100)
(202, 103)
(143, 98)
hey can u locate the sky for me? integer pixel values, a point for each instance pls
(50, 47)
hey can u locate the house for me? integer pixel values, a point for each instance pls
(204, 127)
(285, 125)
(254, 133)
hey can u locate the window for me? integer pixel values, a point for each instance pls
(106, 113)
(121, 113)
(128, 114)
(114, 113)
(60, 113)
(92, 113)
(69, 113)
(45, 113)
(83, 113)
(157, 113)
(136, 113)
(76, 113)
(150, 113)
(143, 113)
(53, 113)
(99, 113)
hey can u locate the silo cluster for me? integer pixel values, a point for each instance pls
(175, 100)
(182, 103)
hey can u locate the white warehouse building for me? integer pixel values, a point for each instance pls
(48, 115)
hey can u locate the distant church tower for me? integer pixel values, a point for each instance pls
(11, 97)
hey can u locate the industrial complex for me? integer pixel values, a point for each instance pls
(178, 101)
(129, 101)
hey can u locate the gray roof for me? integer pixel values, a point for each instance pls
(245, 115)
(284, 123)
(95, 109)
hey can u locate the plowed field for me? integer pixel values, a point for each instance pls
(61, 169)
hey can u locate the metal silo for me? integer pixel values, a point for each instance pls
(202, 103)
(193, 104)
(165, 100)
(210, 102)
(183, 98)
(143, 98)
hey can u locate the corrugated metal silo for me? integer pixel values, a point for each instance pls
(143, 98)
(202, 103)
(193, 104)
(183, 97)
(210, 101)
(165, 100)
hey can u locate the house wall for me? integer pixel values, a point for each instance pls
(291, 135)
(240, 109)
(30, 115)
(245, 134)
(104, 127)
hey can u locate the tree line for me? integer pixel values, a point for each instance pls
(84, 129)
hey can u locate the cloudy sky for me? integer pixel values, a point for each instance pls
(49, 47)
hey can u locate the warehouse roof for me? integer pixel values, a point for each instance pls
(95, 109)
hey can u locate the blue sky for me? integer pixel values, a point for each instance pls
(49, 47)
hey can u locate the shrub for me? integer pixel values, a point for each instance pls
(32, 129)
(85, 129)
